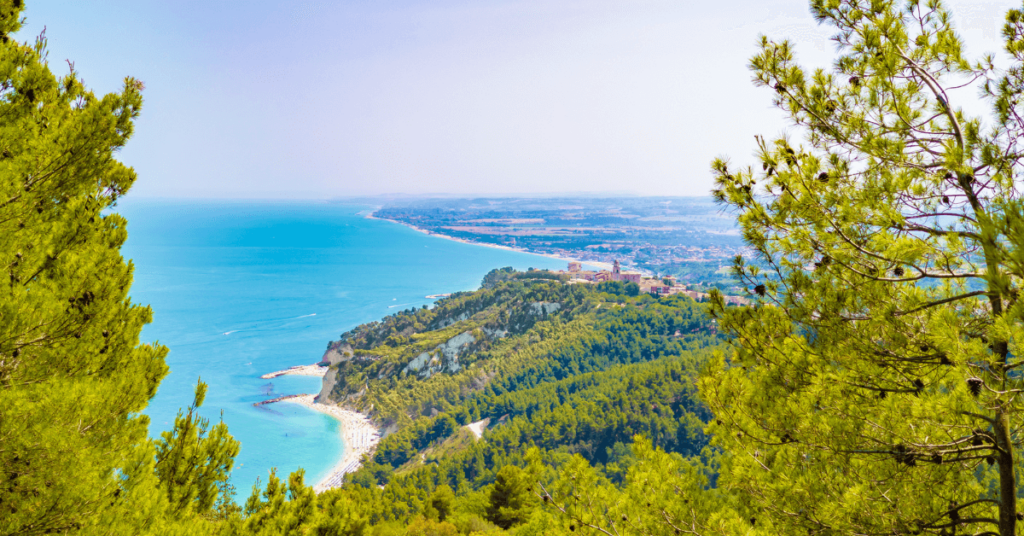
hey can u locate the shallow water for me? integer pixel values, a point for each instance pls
(239, 289)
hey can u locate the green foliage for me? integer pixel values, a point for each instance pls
(282, 509)
(403, 444)
(663, 493)
(510, 498)
(874, 387)
(73, 376)
(395, 363)
(522, 333)
(193, 460)
(428, 527)
(631, 369)
(496, 276)
(75, 457)
(442, 501)
(581, 380)
(586, 387)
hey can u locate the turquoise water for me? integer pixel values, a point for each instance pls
(239, 289)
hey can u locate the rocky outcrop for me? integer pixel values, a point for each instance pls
(494, 333)
(544, 308)
(325, 388)
(444, 358)
(451, 321)
(336, 353)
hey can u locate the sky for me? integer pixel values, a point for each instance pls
(305, 99)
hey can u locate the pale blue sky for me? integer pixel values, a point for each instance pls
(310, 99)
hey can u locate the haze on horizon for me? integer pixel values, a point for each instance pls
(313, 99)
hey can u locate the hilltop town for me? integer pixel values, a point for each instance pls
(658, 286)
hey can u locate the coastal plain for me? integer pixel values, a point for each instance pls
(688, 237)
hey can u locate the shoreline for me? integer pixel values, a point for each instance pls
(358, 434)
(298, 370)
(358, 437)
(599, 264)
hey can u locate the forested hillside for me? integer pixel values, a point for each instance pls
(549, 370)
(519, 334)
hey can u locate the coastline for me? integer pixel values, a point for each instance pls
(298, 370)
(358, 436)
(599, 264)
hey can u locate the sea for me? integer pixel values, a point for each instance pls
(242, 288)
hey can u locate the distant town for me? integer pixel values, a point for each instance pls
(658, 286)
(689, 240)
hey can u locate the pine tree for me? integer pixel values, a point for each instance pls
(510, 498)
(875, 386)
(441, 501)
(193, 460)
(73, 376)
(663, 493)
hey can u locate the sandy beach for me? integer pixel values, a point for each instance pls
(298, 370)
(358, 434)
(602, 265)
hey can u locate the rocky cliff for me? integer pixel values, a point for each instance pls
(415, 345)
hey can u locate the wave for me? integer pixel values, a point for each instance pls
(255, 325)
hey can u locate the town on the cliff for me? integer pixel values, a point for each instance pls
(658, 286)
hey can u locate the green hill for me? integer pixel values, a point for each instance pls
(565, 368)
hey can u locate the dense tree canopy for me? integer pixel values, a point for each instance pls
(876, 384)
(75, 456)
(74, 376)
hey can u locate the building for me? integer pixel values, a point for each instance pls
(631, 277)
(649, 285)
(616, 274)
(655, 286)
(627, 277)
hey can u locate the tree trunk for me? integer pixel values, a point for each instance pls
(1007, 478)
